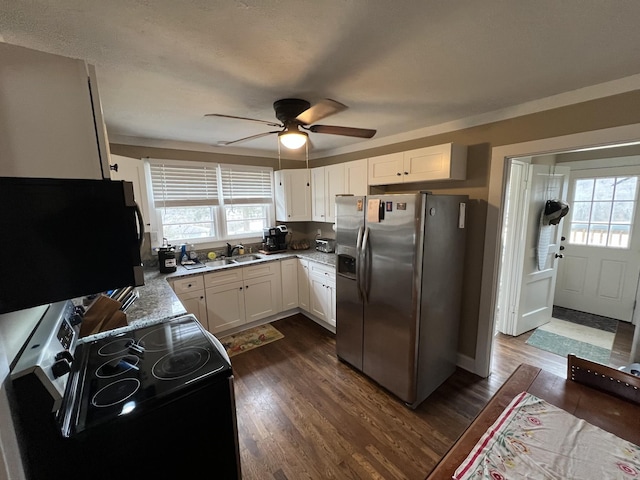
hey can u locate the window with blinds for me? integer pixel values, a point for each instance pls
(200, 202)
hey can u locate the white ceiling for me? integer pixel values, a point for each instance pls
(400, 66)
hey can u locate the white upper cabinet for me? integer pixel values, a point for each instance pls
(355, 177)
(132, 170)
(348, 178)
(439, 162)
(50, 117)
(318, 195)
(293, 195)
(326, 183)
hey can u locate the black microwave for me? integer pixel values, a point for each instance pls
(66, 238)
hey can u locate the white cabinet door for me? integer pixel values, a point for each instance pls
(318, 304)
(293, 195)
(386, 169)
(303, 284)
(225, 306)
(132, 170)
(331, 300)
(439, 162)
(262, 297)
(48, 122)
(334, 185)
(289, 273)
(322, 292)
(318, 195)
(196, 304)
(355, 177)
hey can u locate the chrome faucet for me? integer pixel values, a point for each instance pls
(231, 249)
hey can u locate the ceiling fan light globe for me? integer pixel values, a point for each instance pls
(292, 140)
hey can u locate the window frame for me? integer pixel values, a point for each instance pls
(264, 198)
(593, 200)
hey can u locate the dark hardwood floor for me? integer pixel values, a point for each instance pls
(303, 414)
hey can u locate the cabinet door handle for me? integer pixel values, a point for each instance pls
(406, 173)
(240, 288)
(399, 174)
(189, 286)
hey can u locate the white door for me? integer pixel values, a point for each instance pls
(601, 265)
(513, 240)
(534, 300)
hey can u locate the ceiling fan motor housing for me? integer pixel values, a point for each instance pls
(288, 109)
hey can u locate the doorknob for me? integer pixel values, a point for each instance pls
(559, 255)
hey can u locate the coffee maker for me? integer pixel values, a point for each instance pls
(274, 239)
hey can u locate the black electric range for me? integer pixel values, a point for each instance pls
(152, 402)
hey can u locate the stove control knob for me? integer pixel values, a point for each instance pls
(66, 355)
(60, 367)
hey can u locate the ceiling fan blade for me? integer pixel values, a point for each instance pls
(346, 131)
(320, 110)
(245, 139)
(244, 118)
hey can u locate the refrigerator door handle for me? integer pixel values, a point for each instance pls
(365, 277)
(358, 260)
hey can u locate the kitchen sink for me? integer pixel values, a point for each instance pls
(246, 258)
(219, 263)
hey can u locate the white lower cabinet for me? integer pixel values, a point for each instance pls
(322, 282)
(232, 297)
(303, 284)
(242, 295)
(289, 271)
(190, 292)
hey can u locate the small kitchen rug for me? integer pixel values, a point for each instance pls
(561, 345)
(249, 339)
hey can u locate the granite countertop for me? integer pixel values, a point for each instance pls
(158, 302)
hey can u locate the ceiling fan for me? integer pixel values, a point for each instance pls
(295, 114)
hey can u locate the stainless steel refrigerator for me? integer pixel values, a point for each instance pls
(398, 288)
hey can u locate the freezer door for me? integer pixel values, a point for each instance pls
(391, 286)
(349, 231)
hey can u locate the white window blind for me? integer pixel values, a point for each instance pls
(246, 185)
(204, 202)
(180, 186)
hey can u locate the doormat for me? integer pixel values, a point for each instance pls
(563, 346)
(249, 339)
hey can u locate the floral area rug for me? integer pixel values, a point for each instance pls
(249, 339)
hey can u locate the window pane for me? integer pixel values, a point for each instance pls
(599, 220)
(581, 211)
(601, 212)
(246, 219)
(184, 223)
(626, 188)
(583, 190)
(598, 235)
(622, 212)
(604, 189)
(578, 233)
(619, 236)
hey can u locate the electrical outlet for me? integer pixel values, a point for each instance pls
(319, 232)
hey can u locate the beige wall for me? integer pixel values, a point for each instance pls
(623, 109)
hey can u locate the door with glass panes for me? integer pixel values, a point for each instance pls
(601, 265)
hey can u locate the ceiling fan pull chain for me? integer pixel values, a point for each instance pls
(279, 160)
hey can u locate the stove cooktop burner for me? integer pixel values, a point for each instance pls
(180, 363)
(120, 345)
(117, 366)
(159, 339)
(115, 392)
